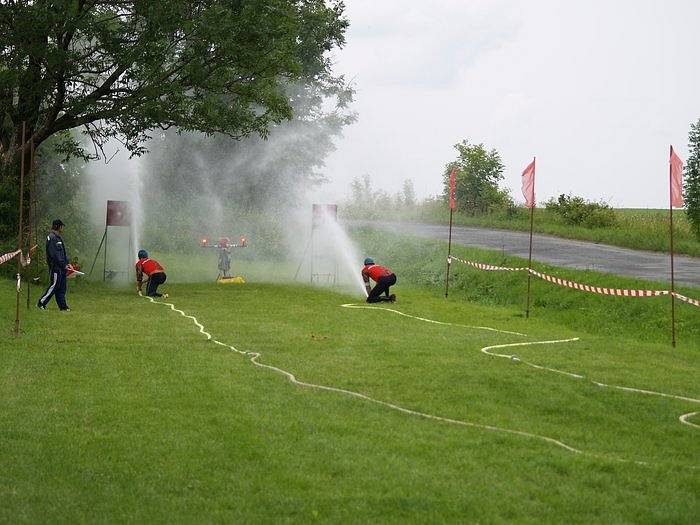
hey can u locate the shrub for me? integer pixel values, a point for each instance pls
(579, 212)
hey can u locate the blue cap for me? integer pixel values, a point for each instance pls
(143, 254)
(369, 260)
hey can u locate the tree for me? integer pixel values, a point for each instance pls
(122, 68)
(409, 194)
(692, 179)
(476, 183)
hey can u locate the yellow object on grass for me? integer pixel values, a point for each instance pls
(231, 280)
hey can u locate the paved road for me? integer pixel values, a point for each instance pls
(560, 252)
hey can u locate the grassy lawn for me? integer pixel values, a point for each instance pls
(641, 229)
(121, 411)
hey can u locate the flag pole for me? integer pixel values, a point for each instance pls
(670, 208)
(453, 175)
(449, 254)
(19, 239)
(529, 259)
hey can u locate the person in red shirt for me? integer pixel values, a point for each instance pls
(383, 277)
(154, 271)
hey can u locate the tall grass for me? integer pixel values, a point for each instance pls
(643, 319)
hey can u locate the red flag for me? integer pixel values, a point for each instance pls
(676, 173)
(529, 185)
(453, 174)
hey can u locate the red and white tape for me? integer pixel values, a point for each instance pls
(685, 299)
(621, 292)
(8, 256)
(599, 290)
(487, 267)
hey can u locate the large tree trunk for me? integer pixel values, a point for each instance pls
(9, 199)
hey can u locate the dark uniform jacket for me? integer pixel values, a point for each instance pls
(56, 256)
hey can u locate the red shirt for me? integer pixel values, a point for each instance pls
(147, 266)
(375, 272)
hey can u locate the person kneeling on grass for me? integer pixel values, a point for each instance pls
(383, 277)
(154, 271)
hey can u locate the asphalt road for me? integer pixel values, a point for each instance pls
(566, 253)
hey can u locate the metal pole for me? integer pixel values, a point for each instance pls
(104, 268)
(449, 253)
(303, 258)
(98, 252)
(311, 260)
(19, 240)
(670, 208)
(529, 262)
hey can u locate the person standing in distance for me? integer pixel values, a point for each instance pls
(154, 271)
(383, 277)
(57, 260)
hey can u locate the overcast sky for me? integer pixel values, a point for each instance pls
(597, 90)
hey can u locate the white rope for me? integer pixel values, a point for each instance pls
(360, 306)
(683, 419)
(254, 356)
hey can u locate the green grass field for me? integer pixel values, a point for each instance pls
(121, 411)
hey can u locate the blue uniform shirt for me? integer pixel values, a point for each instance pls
(56, 255)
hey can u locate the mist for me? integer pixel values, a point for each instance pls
(192, 186)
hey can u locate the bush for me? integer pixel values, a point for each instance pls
(577, 211)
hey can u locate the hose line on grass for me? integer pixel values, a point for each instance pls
(683, 418)
(255, 356)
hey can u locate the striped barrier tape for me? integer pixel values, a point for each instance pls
(621, 292)
(487, 267)
(685, 299)
(598, 289)
(8, 256)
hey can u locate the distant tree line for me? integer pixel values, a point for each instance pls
(370, 203)
(692, 178)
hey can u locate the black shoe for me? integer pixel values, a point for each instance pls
(65, 309)
(392, 298)
(40, 306)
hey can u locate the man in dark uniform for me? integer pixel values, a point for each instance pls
(384, 278)
(57, 260)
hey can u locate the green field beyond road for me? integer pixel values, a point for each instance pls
(121, 411)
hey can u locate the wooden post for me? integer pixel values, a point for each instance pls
(21, 225)
(31, 217)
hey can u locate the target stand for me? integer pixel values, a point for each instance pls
(118, 215)
(323, 269)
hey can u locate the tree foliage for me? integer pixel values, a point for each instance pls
(692, 179)
(367, 202)
(122, 68)
(577, 211)
(476, 183)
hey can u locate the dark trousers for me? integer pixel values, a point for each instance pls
(382, 287)
(154, 281)
(57, 287)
